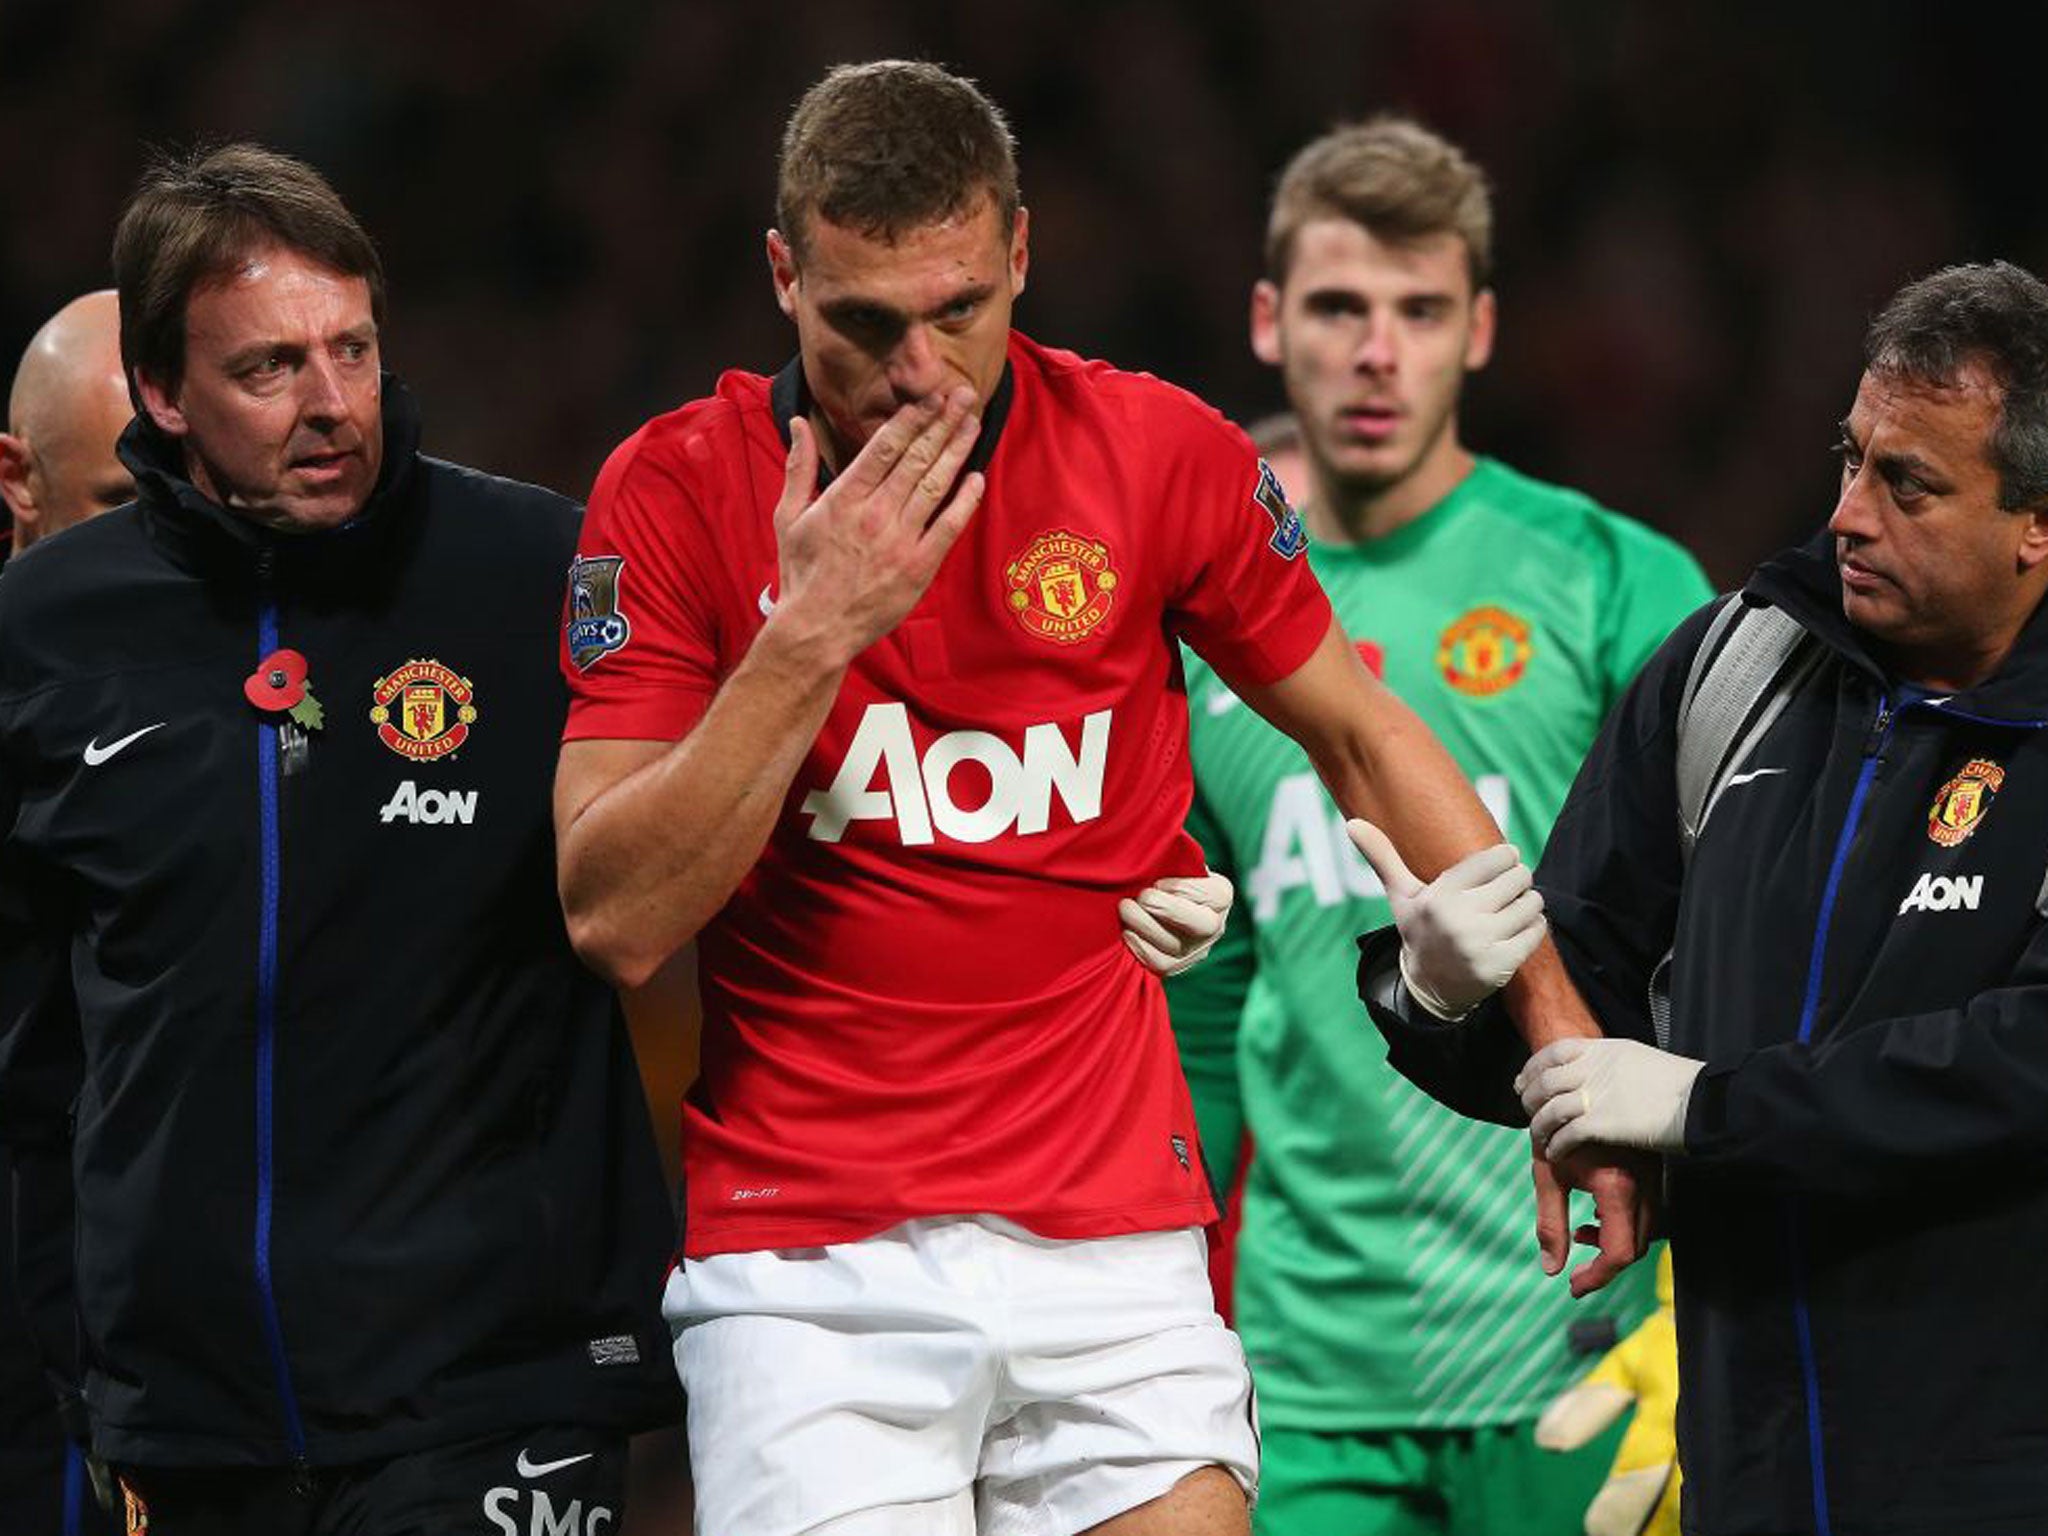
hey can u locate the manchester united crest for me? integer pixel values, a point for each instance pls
(1963, 801)
(423, 711)
(1484, 652)
(1061, 587)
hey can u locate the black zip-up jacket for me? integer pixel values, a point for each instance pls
(1859, 1219)
(360, 1156)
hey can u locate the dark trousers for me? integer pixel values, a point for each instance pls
(558, 1481)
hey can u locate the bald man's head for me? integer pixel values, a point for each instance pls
(68, 406)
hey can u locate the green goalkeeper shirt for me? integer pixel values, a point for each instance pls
(1387, 1273)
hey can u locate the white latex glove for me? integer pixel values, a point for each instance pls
(1465, 932)
(1620, 1093)
(1173, 923)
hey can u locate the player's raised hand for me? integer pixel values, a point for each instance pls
(856, 557)
(1464, 933)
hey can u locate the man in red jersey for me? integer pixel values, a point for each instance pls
(891, 750)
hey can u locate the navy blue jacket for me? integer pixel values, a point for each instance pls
(1859, 1220)
(359, 1153)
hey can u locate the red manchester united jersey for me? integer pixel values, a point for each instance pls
(917, 1002)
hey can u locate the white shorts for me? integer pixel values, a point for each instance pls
(954, 1376)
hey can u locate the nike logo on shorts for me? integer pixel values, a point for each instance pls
(95, 754)
(530, 1468)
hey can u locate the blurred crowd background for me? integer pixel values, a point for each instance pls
(1699, 207)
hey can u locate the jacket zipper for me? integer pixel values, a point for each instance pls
(74, 1488)
(1873, 750)
(267, 749)
(1809, 1008)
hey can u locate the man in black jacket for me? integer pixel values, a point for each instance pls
(68, 404)
(1853, 1101)
(370, 1228)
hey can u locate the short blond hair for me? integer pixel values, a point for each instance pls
(1398, 179)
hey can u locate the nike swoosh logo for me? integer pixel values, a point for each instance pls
(528, 1468)
(95, 754)
(766, 602)
(1221, 702)
(1754, 773)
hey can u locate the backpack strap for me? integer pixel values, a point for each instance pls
(1750, 663)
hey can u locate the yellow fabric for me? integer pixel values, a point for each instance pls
(1640, 1497)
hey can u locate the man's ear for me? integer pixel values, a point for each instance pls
(1479, 344)
(2033, 537)
(782, 269)
(1020, 251)
(160, 406)
(17, 483)
(1266, 322)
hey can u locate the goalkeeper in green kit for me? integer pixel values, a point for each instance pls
(1402, 1337)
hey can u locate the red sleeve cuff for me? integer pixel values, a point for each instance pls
(669, 718)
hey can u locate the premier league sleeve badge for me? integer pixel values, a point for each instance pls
(596, 624)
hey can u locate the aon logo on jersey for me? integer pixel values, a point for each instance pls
(883, 778)
(1306, 846)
